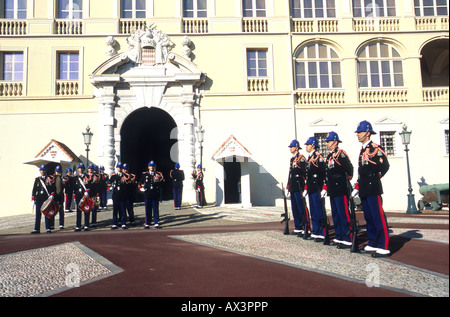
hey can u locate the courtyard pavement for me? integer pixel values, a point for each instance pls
(218, 252)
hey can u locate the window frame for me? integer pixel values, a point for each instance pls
(385, 9)
(56, 51)
(257, 64)
(69, 54)
(318, 62)
(195, 10)
(71, 11)
(301, 8)
(254, 10)
(17, 49)
(13, 65)
(374, 67)
(270, 70)
(15, 10)
(134, 11)
(392, 135)
(419, 9)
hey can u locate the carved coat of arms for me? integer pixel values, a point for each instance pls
(149, 46)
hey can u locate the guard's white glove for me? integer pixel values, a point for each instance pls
(305, 193)
(355, 193)
(323, 193)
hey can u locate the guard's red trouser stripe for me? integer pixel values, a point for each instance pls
(383, 221)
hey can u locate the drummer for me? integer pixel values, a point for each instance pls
(80, 190)
(42, 189)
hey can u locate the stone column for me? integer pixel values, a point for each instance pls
(188, 148)
(109, 104)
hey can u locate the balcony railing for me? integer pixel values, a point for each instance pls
(67, 88)
(129, 26)
(376, 24)
(68, 27)
(258, 84)
(431, 23)
(255, 25)
(386, 95)
(11, 88)
(320, 97)
(195, 25)
(435, 94)
(315, 25)
(13, 27)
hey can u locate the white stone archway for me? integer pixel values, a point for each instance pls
(147, 75)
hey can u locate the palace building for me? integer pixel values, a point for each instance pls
(223, 83)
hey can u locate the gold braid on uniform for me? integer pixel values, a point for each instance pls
(335, 156)
(315, 158)
(297, 160)
(367, 155)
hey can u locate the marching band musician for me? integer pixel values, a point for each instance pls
(199, 186)
(373, 165)
(42, 189)
(177, 177)
(59, 197)
(68, 182)
(130, 186)
(93, 189)
(339, 170)
(81, 181)
(102, 186)
(295, 186)
(118, 187)
(149, 184)
(315, 177)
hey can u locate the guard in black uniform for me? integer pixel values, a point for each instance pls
(93, 188)
(149, 184)
(81, 181)
(117, 183)
(59, 196)
(339, 170)
(130, 190)
(68, 182)
(199, 186)
(296, 185)
(42, 189)
(177, 177)
(373, 165)
(102, 187)
(315, 178)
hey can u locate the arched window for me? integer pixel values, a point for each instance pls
(304, 9)
(380, 65)
(317, 66)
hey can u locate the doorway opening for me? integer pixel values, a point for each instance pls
(146, 136)
(232, 180)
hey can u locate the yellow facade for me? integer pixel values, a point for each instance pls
(264, 113)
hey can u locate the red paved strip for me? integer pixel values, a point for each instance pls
(155, 264)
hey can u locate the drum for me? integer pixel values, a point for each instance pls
(86, 204)
(50, 208)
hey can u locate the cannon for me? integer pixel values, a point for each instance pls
(434, 197)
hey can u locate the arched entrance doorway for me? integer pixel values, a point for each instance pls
(146, 136)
